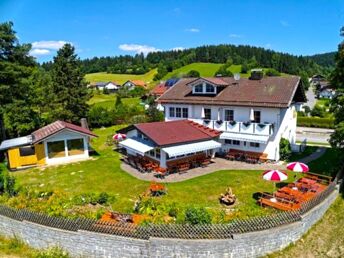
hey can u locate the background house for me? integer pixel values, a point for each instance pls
(56, 143)
(111, 87)
(131, 84)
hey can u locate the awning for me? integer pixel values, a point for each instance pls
(16, 142)
(137, 145)
(191, 148)
(245, 137)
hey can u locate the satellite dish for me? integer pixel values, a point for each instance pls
(237, 76)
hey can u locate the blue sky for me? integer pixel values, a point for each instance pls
(107, 28)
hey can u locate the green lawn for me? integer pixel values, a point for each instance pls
(325, 239)
(327, 164)
(120, 78)
(323, 102)
(108, 100)
(299, 155)
(103, 174)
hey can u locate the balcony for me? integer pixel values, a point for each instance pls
(237, 127)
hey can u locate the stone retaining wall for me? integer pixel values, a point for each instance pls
(89, 244)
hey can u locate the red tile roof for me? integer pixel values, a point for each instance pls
(173, 132)
(139, 83)
(55, 127)
(160, 89)
(267, 92)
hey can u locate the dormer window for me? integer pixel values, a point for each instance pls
(204, 88)
(209, 88)
(199, 88)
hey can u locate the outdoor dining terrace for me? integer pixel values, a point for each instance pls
(293, 195)
(246, 156)
(145, 164)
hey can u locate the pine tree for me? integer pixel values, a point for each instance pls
(68, 86)
(337, 80)
(16, 67)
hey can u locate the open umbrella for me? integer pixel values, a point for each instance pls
(298, 167)
(275, 176)
(119, 137)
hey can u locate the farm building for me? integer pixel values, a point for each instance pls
(56, 143)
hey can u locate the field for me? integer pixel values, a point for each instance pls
(108, 100)
(205, 70)
(103, 174)
(120, 78)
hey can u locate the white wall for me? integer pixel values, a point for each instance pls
(241, 114)
(65, 135)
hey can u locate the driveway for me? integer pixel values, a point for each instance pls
(311, 100)
(318, 135)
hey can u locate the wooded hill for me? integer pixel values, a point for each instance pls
(167, 61)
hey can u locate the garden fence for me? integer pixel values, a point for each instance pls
(182, 231)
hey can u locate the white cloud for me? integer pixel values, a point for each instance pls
(138, 48)
(235, 35)
(284, 23)
(268, 45)
(178, 48)
(194, 30)
(49, 44)
(39, 52)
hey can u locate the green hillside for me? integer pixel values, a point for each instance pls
(205, 70)
(120, 78)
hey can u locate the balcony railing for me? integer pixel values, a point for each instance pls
(237, 127)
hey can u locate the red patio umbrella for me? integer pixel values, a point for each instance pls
(275, 176)
(298, 167)
(119, 136)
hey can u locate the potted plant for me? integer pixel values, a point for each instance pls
(206, 121)
(246, 124)
(219, 122)
(261, 125)
(232, 123)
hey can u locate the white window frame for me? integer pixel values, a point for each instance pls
(204, 88)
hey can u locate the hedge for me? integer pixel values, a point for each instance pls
(315, 122)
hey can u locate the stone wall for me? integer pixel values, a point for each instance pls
(89, 244)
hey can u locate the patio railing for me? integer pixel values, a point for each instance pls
(237, 127)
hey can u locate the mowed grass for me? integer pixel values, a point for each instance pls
(103, 174)
(325, 239)
(120, 78)
(205, 70)
(108, 100)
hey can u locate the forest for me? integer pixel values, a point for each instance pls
(167, 61)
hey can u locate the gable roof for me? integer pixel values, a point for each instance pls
(213, 80)
(267, 92)
(137, 82)
(174, 132)
(56, 127)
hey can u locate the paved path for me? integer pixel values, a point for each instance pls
(311, 100)
(218, 164)
(315, 155)
(320, 135)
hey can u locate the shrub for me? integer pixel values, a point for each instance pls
(272, 72)
(315, 122)
(99, 116)
(318, 111)
(103, 198)
(193, 73)
(196, 216)
(285, 149)
(173, 212)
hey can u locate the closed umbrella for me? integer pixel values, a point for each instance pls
(119, 137)
(203, 113)
(275, 176)
(251, 114)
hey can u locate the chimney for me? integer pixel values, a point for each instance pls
(84, 124)
(256, 74)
